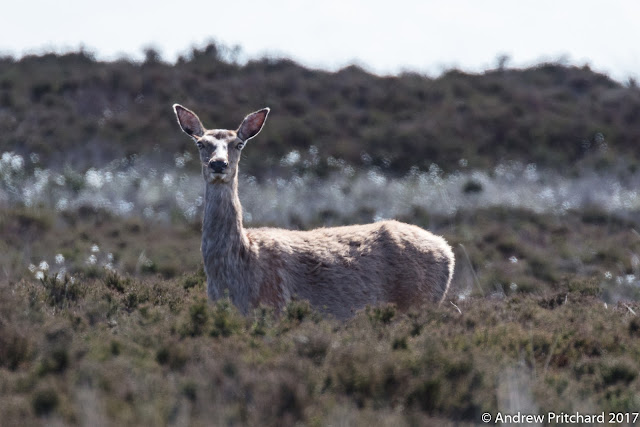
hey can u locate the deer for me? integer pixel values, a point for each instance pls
(339, 270)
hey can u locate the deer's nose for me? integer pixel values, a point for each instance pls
(218, 166)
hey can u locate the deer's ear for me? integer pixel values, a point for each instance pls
(252, 124)
(189, 122)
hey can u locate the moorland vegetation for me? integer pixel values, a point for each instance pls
(530, 174)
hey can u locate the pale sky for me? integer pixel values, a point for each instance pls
(385, 37)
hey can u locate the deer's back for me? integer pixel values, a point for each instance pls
(346, 268)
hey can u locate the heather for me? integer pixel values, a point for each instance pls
(530, 174)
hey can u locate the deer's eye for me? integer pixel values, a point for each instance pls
(199, 144)
(240, 146)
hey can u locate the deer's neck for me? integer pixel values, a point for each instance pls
(225, 246)
(222, 231)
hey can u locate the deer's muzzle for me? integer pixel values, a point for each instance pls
(218, 166)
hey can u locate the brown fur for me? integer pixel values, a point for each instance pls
(339, 270)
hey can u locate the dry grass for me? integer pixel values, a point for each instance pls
(117, 348)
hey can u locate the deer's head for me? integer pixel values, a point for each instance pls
(220, 149)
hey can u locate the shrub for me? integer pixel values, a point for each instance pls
(263, 320)
(194, 280)
(61, 292)
(15, 348)
(425, 395)
(226, 319)
(381, 314)
(618, 371)
(45, 401)
(115, 281)
(314, 346)
(56, 362)
(173, 355)
(299, 311)
(197, 320)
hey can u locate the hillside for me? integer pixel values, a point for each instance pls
(531, 175)
(72, 109)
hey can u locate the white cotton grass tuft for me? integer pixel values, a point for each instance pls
(134, 186)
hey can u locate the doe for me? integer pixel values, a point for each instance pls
(338, 270)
